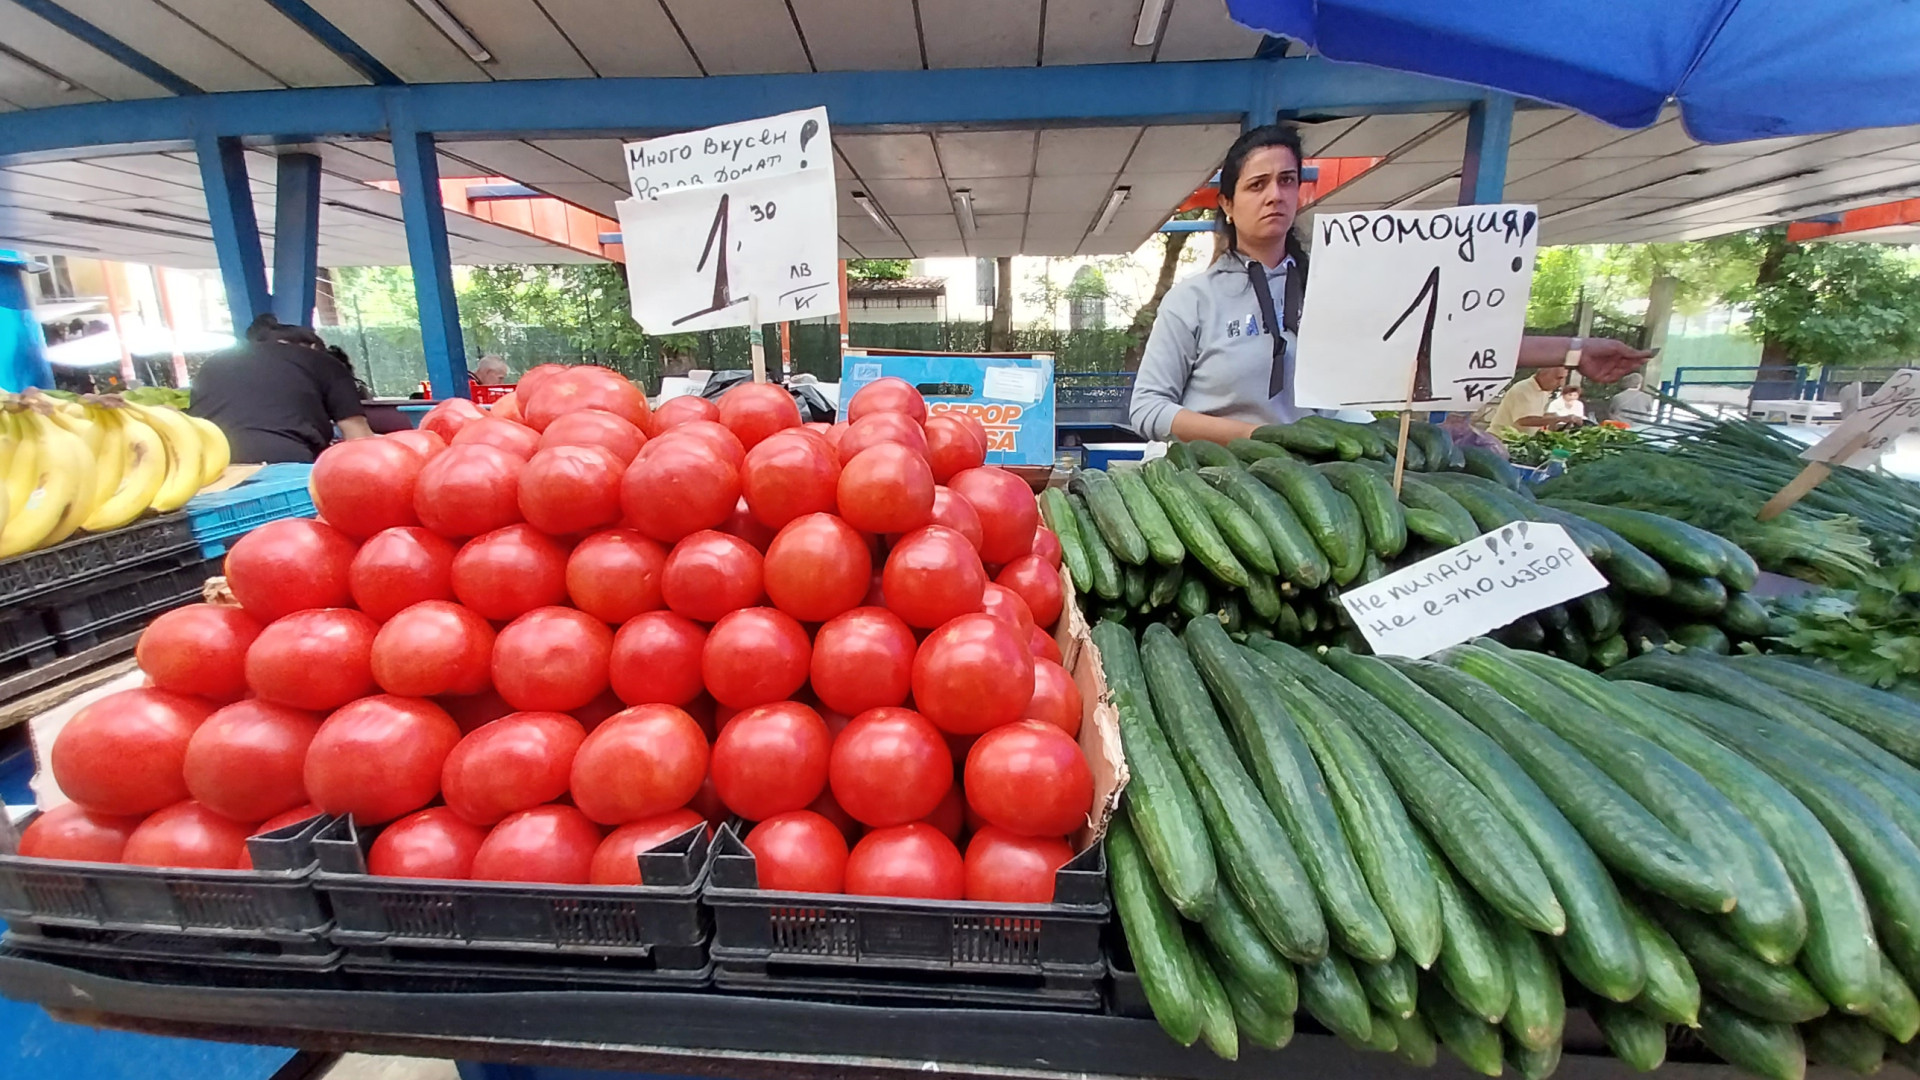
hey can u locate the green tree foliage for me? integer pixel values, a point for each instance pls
(1832, 303)
(879, 269)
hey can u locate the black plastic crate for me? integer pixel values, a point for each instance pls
(501, 916)
(25, 642)
(130, 597)
(126, 947)
(831, 933)
(1125, 995)
(466, 970)
(274, 904)
(1063, 988)
(92, 556)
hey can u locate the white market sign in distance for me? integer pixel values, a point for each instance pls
(1425, 305)
(1864, 435)
(1465, 591)
(731, 220)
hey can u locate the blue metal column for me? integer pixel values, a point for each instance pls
(236, 233)
(296, 238)
(426, 221)
(1483, 175)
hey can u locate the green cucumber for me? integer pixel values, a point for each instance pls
(1474, 1041)
(1629, 568)
(1733, 974)
(1680, 546)
(1896, 1010)
(1602, 614)
(1312, 499)
(1697, 596)
(1346, 573)
(1217, 1028)
(1525, 632)
(1246, 955)
(1532, 1064)
(1672, 993)
(1481, 461)
(1154, 936)
(1254, 855)
(1435, 445)
(1845, 1042)
(1110, 515)
(1166, 585)
(1413, 1041)
(1416, 492)
(1431, 527)
(1300, 559)
(1638, 1040)
(1206, 453)
(1287, 624)
(1537, 1014)
(1595, 543)
(1474, 834)
(1298, 438)
(1346, 442)
(1252, 450)
(1236, 526)
(1133, 586)
(1379, 507)
(1193, 524)
(1393, 986)
(1492, 508)
(1888, 719)
(1741, 572)
(1261, 1026)
(1191, 599)
(1612, 651)
(1180, 455)
(1703, 637)
(1230, 613)
(1764, 1048)
(1599, 944)
(1262, 597)
(1059, 516)
(1373, 445)
(1163, 544)
(1107, 584)
(1161, 807)
(1331, 993)
(1473, 966)
(1745, 616)
(1385, 843)
(1380, 1035)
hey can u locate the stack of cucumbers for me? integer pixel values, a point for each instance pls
(1455, 852)
(1261, 535)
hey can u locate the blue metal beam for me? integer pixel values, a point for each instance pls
(335, 39)
(1483, 173)
(112, 46)
(236, 234)
(426, 226)
(296, 238)
(1216, 90)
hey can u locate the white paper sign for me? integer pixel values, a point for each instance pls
(1465, 591)
(1432, 300)
(737, 216)
(1862, 437)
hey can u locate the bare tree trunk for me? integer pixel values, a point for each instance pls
(1000, 330)
(1143, 319)
(1774, 379)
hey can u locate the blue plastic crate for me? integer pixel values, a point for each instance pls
(275, 492)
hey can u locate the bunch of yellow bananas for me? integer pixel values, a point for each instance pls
(96, 464)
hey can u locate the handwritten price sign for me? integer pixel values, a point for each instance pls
(1862, 437)
(1426, 306)
(728, 214)
(1465, 591)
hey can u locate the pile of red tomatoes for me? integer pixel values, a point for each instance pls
(533, 643)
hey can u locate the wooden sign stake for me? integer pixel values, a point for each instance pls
(1421, 361)
(756, 338)
(1809, 478)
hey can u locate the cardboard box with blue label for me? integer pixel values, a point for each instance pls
(1011, 395)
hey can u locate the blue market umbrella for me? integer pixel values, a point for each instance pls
(1739, 69)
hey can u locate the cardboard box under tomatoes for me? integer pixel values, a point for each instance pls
(1010, 393)
(1099, 720)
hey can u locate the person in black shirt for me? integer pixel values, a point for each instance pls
(278, 395)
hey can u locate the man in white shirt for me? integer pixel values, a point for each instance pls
(1568, 405)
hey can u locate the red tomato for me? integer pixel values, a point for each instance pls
(817, 567)
(617, 860)
(1003, 603)
(615, 574)
(595, 712)
(754, 411)
(536, 376)
(684, 410)
(771, 759)
(470, 711)
(362, 486)
(714, 436)
(656, 659)
(743, 524)
(799, 851)
(449, 416)
(515, 438)
(834, 433)
(69, 832)
(430, 844)
(187, 836)
(1042, 646)
(245, 761)
(790, 475)
(953, 446)
(951, 815)
(890, 766)
(1038, 583)
(516, 763)
(122, 754)
(1056, 697)
(678, 487)
(200, 649)
(886, 489)
(914, 860)
(888, 394)
(933, 576)
(1046, 545)
(1008, 513)
(863, 659)
(593, 427)
(507, 407)
(827, 808)
(380, 757)
(970, 420)
(1030, 778)
(587, 387)
(972, 675)
(641, 763)
(469, 490)
(571, 489)
(419, 440)
(957, 514)
(877, 428)
(433, 648)
(706, 802)
(552, 659)
(550, 844)
(290, 565)
(398, 568)
(508, 572)
(709, 574)
(317, 660)
(1008, 868)
(754, 656)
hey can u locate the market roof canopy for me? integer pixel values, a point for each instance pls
(1739, 69)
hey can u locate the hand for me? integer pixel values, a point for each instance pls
(1606, 360)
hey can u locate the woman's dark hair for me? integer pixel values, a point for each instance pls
(1243, 147)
